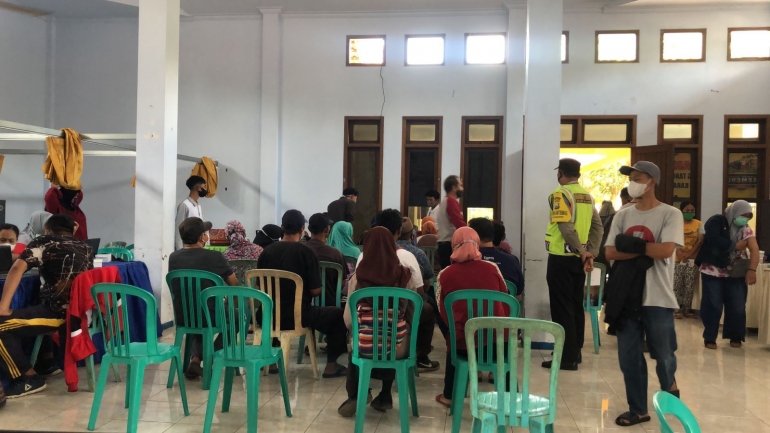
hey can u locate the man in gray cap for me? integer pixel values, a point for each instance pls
(655, 230)
(572, 240)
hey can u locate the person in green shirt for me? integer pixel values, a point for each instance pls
(572, 239)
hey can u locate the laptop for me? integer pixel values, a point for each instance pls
(94, 244)
(6, 260)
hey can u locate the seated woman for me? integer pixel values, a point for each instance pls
(240, 248)
(467, 271)
(341, 237)
(380, 267)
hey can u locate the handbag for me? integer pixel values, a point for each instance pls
(738, 268)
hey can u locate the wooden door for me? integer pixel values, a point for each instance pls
(662, 156)
(364, 168)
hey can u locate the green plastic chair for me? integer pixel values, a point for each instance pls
(384, 328)
(665, 403)
(130, 247)
(478, 303)
(321, 300)
(512, 289)
(431, 253)
(236, 353)
(190, 281)
(240, 267)
(497, 410)
(593, 310)
(117, 244)
(118, 252)
(115, 326)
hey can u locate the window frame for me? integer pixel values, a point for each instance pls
(406, 48)
(694, 145)
(384, 50)
(578, 131)
(566, 49)
(762, 138)
(730, 31)
(505, 51)
(615, 32)
(703, 54)
(497, 144)
(759, 146)
(348, 144)
(408, 145)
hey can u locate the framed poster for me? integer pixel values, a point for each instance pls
(742, 175)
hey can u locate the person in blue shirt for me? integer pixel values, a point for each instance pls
(508, 264)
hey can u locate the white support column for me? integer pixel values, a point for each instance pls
(156, 141)
(270, 138)
(542, 111)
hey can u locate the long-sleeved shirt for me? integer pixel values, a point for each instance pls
(342, 209)
(594, 236)
(186, 209)
(449, 219)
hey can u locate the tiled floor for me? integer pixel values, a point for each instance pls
(727, 389)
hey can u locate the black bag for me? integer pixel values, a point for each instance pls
(738, 268)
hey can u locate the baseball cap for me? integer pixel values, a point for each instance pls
(318, 223)
(406, 225)
(292, 221)
(569, 166)
(645, 167)
(192, 228)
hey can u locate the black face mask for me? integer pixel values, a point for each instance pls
(203, 193)
(459, 193)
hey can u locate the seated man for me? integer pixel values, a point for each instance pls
(60, 258)
(508, 264)
(290, 255)
(391, 220)
(320, 227)
(194, 234)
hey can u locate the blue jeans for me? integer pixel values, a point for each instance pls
(658, 324)
(729, 293)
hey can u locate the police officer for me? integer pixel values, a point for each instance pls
(573, 238)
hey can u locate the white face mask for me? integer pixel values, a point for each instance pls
(636, 189)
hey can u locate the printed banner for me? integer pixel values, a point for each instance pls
(742, 175)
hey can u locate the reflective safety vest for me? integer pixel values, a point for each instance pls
(569, 203)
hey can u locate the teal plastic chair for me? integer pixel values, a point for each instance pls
(384, 328)
(190, 283)
(321, 300)
(478, 303)
(431, 253)
(236, 353)
(130, 247)
(118, 252)
(117, 244)
(115, 326)
(590, 308)
(497, 410)
(512, 289)
(664, 404)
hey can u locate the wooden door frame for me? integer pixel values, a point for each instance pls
(668, 175)
(684, 145)
(498, 145)
(408, 146)
(378, 145)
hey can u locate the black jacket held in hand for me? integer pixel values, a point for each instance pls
(625, 288)
(717, 244)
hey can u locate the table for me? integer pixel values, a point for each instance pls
(221, 249)
(763, 299)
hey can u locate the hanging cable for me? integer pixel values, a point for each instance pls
(382, 80)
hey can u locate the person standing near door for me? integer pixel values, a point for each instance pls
(189, 207)
(572, 240)
(344, 208)
(449, 218)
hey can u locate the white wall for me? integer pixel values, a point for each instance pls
(218, 112)
(23, 83)
(650, 88)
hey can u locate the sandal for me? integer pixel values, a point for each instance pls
(710, 345)
(630, 419)
(735, 343)
(442, 402)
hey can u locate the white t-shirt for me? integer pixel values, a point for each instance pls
(433, 213)
(661, 224)
(407, 259)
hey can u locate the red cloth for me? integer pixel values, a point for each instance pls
(19, 248)
(79, 345)
(454, 212)
(53, 205)
(476, 274)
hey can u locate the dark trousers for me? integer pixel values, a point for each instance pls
(449, 373)
(566, 280)
(425, 328)
(329, 321)
(658, 324)
(444, 251)
(431, 299)
(386, 375)
(21, 324)
(729, 293)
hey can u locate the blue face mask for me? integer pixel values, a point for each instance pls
(741, 221)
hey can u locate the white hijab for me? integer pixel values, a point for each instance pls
(738, 208)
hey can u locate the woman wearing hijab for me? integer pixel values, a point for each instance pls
(240, 248)
(726, 272)
(63, 200)
(606, 211)
(34, 228)
(467, 271)
(429, 236)
(380, 267)
(268, 235)
(341, 237)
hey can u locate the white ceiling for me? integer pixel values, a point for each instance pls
(127, 8)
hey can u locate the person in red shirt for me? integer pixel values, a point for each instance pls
(467, 271)
(67, 201)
